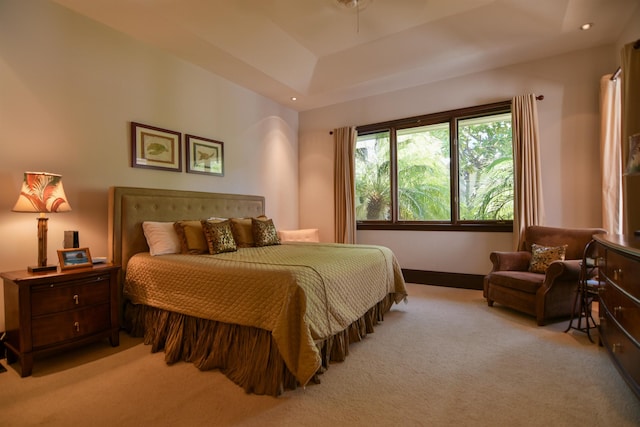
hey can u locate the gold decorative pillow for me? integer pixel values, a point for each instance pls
(219, 236)
(192, 240)
(264, 232)
(241, 229)
(543, 256)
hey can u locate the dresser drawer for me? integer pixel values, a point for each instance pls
(623, 271)
(623, 350)
(624, 308)
(67, 325)
(53, 298)
(620, 304)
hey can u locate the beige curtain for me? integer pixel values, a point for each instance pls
(344, 184)
(528, 208)
(610, 154)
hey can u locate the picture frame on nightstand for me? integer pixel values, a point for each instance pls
(74, 258)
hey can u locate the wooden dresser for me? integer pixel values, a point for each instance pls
(50, 312)
(620, 304)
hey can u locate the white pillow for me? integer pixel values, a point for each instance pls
(304, 235)
(161, 238)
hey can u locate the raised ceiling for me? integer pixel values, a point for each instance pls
(322, 53)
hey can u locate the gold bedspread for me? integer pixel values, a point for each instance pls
(300, 292)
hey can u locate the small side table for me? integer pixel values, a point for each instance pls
(51, 311)
(587, 292)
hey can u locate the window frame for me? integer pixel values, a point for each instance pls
(452, 117)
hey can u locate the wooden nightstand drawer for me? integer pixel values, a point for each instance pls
(54, 298)
(54, 311)
(64, 326)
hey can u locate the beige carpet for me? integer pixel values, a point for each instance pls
(445, 358)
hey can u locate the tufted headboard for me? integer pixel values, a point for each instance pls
(129, 207)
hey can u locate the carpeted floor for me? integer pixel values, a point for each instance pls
(445, 358)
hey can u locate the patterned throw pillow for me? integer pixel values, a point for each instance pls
(543, 256)
(219, 237)
(264, 232)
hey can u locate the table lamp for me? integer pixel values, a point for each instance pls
(42, 192)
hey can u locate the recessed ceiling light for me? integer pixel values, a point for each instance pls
(587, 26)
(293, 98)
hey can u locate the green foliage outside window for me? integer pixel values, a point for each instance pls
(373, 177)
(485, 177)
(424, 184)
(483, 169)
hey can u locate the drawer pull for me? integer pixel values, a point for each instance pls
(75, 298)
(77, 326)
(616, 348)
(617, 274)
(617, 310)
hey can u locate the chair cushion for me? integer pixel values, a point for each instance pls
(524, 281)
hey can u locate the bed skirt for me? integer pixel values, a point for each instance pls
(247, 355)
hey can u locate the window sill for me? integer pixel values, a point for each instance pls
(506, 227)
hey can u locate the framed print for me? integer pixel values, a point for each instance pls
(155, 148)
(74, 258)
(633, 164)
(204, 155)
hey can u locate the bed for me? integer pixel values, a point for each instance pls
(270, 316)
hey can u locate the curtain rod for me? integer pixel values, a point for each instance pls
(615, 75)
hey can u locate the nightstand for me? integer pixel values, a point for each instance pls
(53, 311)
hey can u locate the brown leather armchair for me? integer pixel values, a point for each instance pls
(548, 295)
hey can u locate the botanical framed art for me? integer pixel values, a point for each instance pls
(155, 148)
(633, 164)
(204, 155)
(74, 258)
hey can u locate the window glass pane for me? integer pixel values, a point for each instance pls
(373, 177)
(485, 168)
(424, 180)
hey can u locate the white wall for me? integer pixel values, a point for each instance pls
(68, 90)
(569, 128)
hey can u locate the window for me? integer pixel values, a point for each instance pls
(451, 170)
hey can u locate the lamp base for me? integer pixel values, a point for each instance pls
(41, 268)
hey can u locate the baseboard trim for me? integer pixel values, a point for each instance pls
(439, 278)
